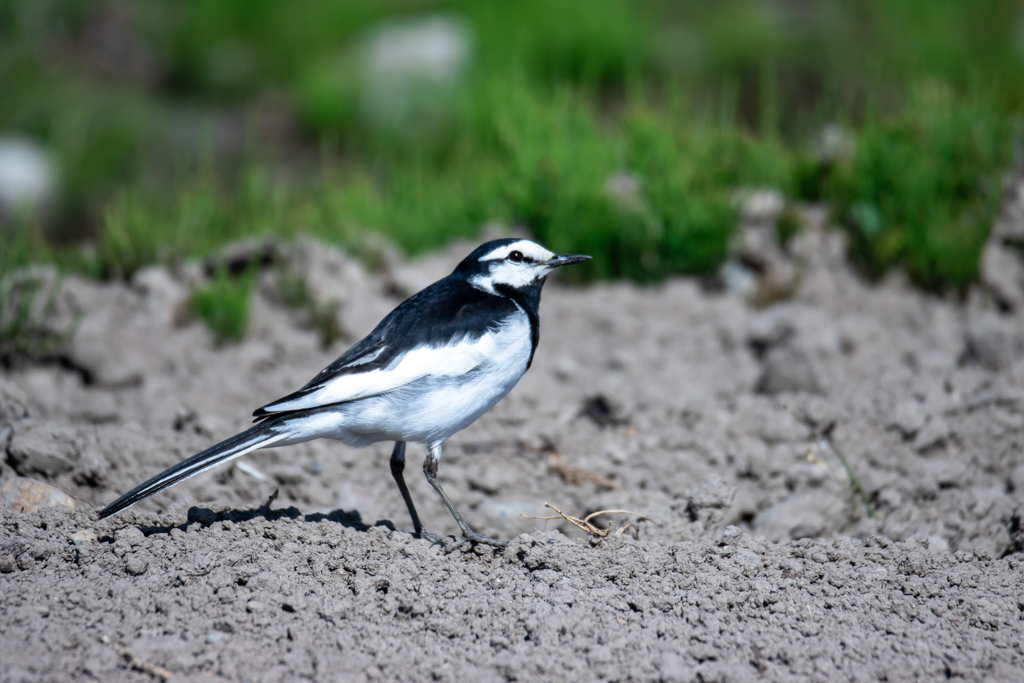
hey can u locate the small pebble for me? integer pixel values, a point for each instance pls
(136, 566)
(83, 536)
(129, 536)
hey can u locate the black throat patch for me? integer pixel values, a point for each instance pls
(528, 299)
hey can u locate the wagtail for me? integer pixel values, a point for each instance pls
(431, 368)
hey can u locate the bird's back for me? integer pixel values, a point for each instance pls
(439, 330)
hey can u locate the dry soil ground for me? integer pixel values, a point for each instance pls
(759, 560)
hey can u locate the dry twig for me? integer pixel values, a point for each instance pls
(585, 525)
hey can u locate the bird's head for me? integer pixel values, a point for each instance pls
(515, 263)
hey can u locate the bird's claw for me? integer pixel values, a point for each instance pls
(450, 543)
(434, 539)
(474, 537)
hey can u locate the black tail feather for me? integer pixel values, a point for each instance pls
(249, 440)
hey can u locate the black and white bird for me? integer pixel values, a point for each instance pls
(431, 368)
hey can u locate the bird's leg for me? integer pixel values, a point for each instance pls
(468, 535)
(397, 471)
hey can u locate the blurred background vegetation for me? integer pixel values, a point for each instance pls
(623, 129)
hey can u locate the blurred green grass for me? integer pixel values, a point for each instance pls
(620, 129)
(223, 303)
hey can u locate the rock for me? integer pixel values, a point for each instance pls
(42, 451)
(136, 566)
(83, 537)
(787, 370)
(27, 495)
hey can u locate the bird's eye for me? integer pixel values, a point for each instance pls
(516, 257)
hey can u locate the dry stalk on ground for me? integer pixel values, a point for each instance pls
(584, 524)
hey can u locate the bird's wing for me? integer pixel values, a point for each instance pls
(456, 359)
(437, 332)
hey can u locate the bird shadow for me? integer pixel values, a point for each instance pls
(206, 517)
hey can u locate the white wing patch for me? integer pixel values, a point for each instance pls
(454, 359)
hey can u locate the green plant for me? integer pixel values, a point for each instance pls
(619, 128)
(29, 326)
(923, 189)
(223, 304)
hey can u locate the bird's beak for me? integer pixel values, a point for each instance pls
(559, 260)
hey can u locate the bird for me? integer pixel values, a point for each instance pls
(430, 368)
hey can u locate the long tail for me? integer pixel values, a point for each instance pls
(259, 436)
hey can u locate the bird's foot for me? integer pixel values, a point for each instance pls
(449, 543)
(443, 541)
(474, 537)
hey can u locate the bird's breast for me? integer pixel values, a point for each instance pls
(506, 348)
(454, 386)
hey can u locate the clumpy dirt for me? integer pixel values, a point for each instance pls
(718, 420)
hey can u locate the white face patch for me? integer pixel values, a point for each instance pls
(531, 250)
(532, 267)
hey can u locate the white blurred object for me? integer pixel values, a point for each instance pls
(835, 144)
(625, 189)
(760, 204)
(739, 279)
(412, 70)
(28, 178)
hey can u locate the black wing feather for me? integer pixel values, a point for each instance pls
(448, 309)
